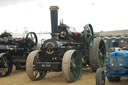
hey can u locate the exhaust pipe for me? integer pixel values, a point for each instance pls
(54, 19)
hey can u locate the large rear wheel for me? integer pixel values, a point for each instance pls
(97, 54)
(72, 65)
(31, 70)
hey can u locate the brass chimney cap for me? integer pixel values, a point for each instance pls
(54, 7)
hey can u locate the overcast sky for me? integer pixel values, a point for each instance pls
(104, 15)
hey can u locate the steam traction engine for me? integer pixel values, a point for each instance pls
(66, 51)
(14, 51)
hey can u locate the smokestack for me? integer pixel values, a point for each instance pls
(54, 18)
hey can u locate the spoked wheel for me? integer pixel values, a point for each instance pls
(97, 54)
(72, 65)
(88, 35)
(6, 69)
(31, 70)
(100, 77)
(31, 40)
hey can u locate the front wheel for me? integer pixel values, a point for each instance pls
(31, 70)
(100, 77)
(72, 65)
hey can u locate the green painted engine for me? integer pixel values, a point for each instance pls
(66, 51)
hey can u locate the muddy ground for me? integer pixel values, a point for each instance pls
(53, 78)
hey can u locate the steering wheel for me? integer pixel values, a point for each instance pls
(88, 35)
(31, 40)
